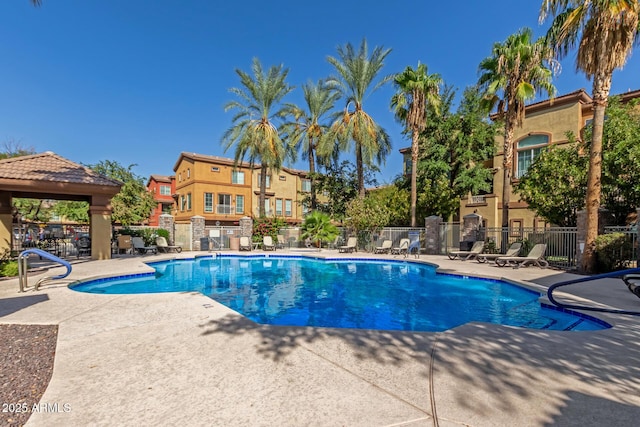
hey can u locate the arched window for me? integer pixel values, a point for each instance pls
(528, 149)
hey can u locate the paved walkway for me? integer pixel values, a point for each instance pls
(183, 359)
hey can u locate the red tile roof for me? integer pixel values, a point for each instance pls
(49, 167)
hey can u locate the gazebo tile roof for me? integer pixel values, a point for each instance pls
(49, 167)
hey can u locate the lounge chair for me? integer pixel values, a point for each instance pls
(513, 250)
(124, 244)
(535, 256)
(140, 248)
(83, 246)
(414, 248)
(163, 246)
(352, 243)
(267, 243)
(385, 248)
(476, 250)
(402, 248)
(281, 243)
(245, 243)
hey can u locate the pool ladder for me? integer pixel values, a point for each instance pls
(23, 267)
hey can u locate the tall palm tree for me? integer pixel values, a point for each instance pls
(308, 128)
(356, 73)
(605, 32)
(254, 130)
(415, 90)
(516, 70)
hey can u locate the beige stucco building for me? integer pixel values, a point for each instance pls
(546, 123)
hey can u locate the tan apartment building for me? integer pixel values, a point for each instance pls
(285, 192)
(212, 187)
(546, 123)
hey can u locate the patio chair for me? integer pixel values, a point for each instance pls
(281, 243)
(245, 243)
(163, 246)
(535, 256)
(476, 250)
(83, 246)
(124, 244)
(513, 250)
(267, 243)
(402, 248)
(140, 248)
(352, 243)
(385, 248)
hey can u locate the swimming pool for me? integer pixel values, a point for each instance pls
(348, 293)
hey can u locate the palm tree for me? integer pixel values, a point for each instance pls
(516, 70)
(318, 227)
(416, 88)
(605, 32)
(356, 72)
(254, 131)
(307, 128)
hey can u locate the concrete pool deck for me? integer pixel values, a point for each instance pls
(183, 359)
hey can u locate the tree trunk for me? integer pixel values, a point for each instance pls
(312, 171)
(415, 135)
(507, 166)
(601, 88)
(263, 190)
(360, 170)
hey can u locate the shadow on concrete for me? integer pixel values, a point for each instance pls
(572, 410)
(11, 305)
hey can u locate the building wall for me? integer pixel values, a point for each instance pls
(153, 187)
(552, 120)
(197, 177)
(284, 186)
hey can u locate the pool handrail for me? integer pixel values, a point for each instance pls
(22, 267)
(622, 274)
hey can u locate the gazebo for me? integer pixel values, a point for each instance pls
(49, 176)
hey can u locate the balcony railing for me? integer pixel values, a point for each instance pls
(477, 199)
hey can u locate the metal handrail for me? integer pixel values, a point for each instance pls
(623, 274)
(22, 267)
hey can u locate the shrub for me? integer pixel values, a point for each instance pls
(9, 268)
(612, 252)
(161, 232)
(266, 227)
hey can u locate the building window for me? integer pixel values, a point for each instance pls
(282, 178)
(278, 206)
(180, 177)
(268, 180)
(515, 227)
(188, 173)
(183, 203)
(208, 202)
(305, 209)
(165, 190)
(188, 201)
(287, 207)
(306, 185)
(237, 177)
(528, 149)
(215, 169)
(224, 204)
(239, 204)
(267, 206)
(407, 165)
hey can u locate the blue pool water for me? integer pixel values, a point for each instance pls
(363, 294)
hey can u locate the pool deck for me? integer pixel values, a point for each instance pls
(183, 359)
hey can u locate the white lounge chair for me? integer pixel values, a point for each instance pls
(267, 243)
(163, 246)
(352, 243)
(140, 248)
(535, 256)
(245, 243)
(385, 248)
(476, 250)
(513, 250)
(402, 247)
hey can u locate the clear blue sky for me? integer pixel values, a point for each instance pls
(139, 81)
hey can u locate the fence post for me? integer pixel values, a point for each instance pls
(165, 221)
(432, 226)
(197, 231)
